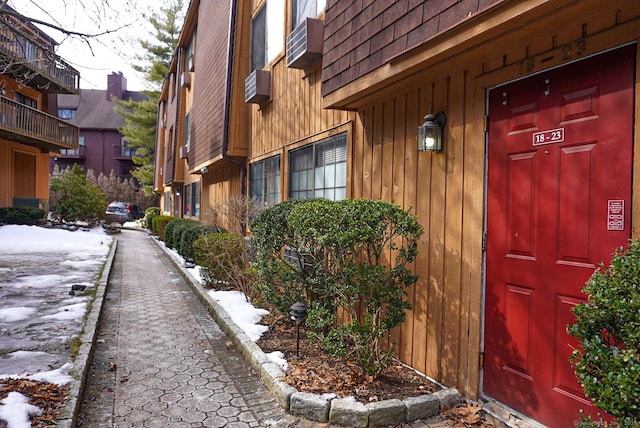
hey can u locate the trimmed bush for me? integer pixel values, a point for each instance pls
(21, 215)
(189, 236)
(607, 364)
(173, 231)
(224, 258)
(159, 223)
(350, 254)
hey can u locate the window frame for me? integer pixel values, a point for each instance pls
(297, 18)
(309, 176)
(267, 195)
(271, 42)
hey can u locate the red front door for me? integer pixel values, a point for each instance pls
(559, 202)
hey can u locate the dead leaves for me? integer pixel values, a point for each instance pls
(48, 397)
(467, 414)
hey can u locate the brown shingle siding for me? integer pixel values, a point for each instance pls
(382, 39)
(384, 28)
(456, 14)
(361, 52)
(393, 14)
(408, 22)
(424, 32)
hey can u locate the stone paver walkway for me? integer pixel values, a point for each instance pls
(161, 361)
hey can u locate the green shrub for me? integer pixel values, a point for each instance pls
(278, 280)
(73, 198)
(21, 215)
(173, 231)
(607, 364)
(190, 234)
(350, 254)
(149, 214)
(159, 223)
(224, 258)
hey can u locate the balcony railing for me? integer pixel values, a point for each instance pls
(123, 152)
(79, 153)
(33, 63)
(27, 125)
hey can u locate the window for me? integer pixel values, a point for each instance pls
(71, 152)
(170, 149)
(190, 50)
(301, 9)
(192, 200)
(66, 113)
(125, 150)
(187, 131)
(319, 170)
(267, 33)
(28, 101)
(264, 181)
(167, 202)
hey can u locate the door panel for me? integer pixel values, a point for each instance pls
(559, 154)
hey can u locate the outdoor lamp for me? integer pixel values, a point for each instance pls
(430, 133)
(298, 314)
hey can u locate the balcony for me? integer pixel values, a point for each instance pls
(123, 152)
(79, 153)
(32, 127)
(33, 63)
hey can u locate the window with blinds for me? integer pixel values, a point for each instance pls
(319, 170)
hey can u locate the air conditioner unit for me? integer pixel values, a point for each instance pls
(184, 152)
(185, 80)
(304, 44)
(257, 87)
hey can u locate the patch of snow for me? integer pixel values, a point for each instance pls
(243, 313)
(15, 410)
(278, 358)
(16, 313)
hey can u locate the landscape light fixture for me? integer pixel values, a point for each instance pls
(298, 314)
(430, 133)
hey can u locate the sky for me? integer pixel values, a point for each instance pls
(38, 316)
(95, 58)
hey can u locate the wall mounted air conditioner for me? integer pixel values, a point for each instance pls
(257, 87)
(185, 79)
(304, 44)
(184, 152)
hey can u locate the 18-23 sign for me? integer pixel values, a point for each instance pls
(551, 136)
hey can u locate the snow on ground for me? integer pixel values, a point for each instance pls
(38, 316)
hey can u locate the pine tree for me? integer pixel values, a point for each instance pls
(140, 117)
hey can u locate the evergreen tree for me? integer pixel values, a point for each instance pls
(74, 198)
(140, 117)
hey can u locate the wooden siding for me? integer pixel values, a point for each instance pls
(444, 191)
(217, 186)
(10, 175)
(442, 334)
(294, 113)
(212, 51)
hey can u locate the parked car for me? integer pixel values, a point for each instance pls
(122, 212)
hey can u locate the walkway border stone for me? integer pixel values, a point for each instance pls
(67, 417)
(341, 411)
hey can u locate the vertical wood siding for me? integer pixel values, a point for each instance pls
(439, 188)
(295, 111)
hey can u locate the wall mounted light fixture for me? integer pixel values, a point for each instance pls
(204, 170)
(431, 131)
